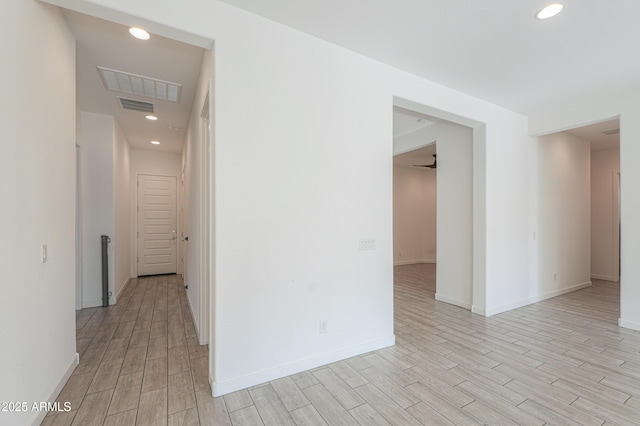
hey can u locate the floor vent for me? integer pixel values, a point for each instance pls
(133, 105)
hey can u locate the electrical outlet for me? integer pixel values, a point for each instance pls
(43, 253)
(367, 244)
(555, 277)
(323, 326)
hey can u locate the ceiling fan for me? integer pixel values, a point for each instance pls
(431, 166)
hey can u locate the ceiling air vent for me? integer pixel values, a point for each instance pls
(133, 105)
(612, 132)
(140, 85)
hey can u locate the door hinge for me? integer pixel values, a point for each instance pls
(137, 259)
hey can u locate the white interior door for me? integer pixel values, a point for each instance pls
(157, 225)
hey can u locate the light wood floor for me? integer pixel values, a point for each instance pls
(561, 361)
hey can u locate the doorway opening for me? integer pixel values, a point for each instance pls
(579, 182)
(143, 105)
(433, 205)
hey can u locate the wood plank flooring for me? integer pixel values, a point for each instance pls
(561, 361)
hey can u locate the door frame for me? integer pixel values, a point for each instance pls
(135, 211)
(616, 226)
(206, 209)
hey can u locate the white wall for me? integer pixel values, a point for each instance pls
(564, 218)
(122, 210)
(96, 140)
(454, 275)
(155, 163)
(37, 181)
(303, 171)
(193, 162)
(414, 215)
(605, 166)
(105, 193)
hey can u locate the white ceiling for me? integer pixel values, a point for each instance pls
(492, 49)
(103, 43)
(594, 134)
(406, 121)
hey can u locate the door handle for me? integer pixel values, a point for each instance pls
(186, 238)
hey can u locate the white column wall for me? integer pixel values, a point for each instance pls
(122, 210)
(454, 275)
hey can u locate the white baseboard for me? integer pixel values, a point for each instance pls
(632, 325)
(227, 386)
(452, 301)
(509, 306)
(603, 277)
(413, 262)
(196, 321)
(58, 388)
(121, 290)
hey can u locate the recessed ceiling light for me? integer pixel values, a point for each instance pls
(549, 11)
(139, 33)
(155, 142)
(177, 129)
(151, 117)
(422, 120)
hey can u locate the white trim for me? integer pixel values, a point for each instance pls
(413, 262)
(78, 227)
(121, 290)
(451, 301)
(196, 322)
(509, 306)
(632, 325)
(477, 310)
(58, 388)
(263, 376)
(603, 277)
(615, 253)
(206, 150)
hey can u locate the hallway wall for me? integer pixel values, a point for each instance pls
(564, 214)
(106, 205)
(37, 186)
(605, 165)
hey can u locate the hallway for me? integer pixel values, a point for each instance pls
(140, 361)
(560, 361)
